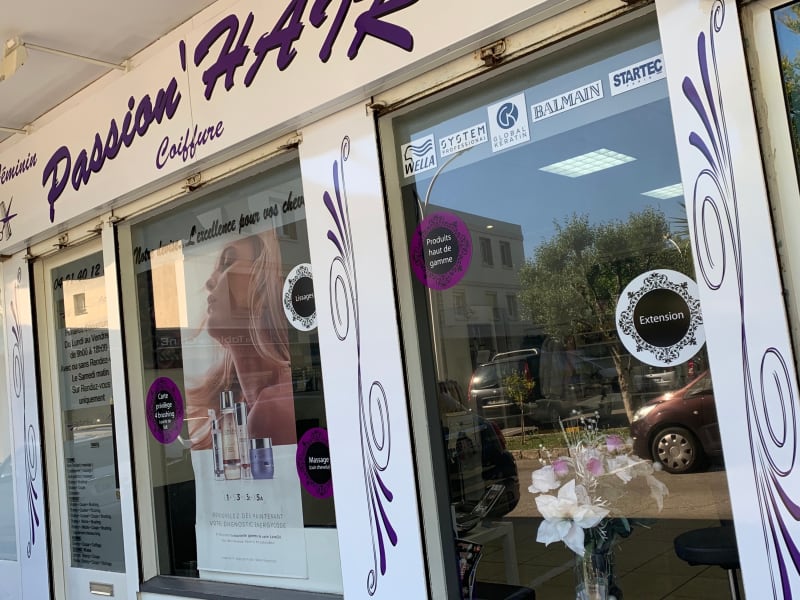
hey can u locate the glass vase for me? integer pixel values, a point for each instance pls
(593, 574)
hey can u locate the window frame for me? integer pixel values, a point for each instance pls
(561, 32)
(150, 580)
(781, 173)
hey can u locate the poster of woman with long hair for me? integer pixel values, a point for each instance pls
(240, 408)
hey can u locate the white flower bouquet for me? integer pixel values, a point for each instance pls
(580, 513)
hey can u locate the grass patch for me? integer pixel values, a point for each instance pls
(551, 439)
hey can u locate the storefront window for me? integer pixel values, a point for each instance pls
(238, 444)
(82, 356)
(549, 246)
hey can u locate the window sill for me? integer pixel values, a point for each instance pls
(202, 589)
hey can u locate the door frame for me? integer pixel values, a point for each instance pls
(126, 583)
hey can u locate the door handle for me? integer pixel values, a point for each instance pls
(101, 589)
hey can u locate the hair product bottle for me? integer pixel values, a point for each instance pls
(261, 464)
(244, 438)
(216, 445)
(230, 438)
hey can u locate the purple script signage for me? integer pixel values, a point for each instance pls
(9, 172)
(60, 169)
(227, 46)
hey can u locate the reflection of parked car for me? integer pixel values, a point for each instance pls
(564, 381)
(648, 379)
(487, 392)
(679, 429)
(477, 458)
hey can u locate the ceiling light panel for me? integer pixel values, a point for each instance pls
(591, 162)
(670, 191)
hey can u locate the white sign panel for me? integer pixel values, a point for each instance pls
(755, 383)
(418, 156)
(567, 101)
(28, 466)
(508, 123)
(463, 140)
(634, 76)
(374, 480)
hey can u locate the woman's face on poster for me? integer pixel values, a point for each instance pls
(229, 290)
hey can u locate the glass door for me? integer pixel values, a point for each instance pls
(77, 388)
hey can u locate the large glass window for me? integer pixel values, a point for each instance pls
(85, 414)
(588, 381)
(237, 440)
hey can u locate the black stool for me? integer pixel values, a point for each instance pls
(711, 546)
(501, 591)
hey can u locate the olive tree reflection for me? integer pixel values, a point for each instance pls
(573, 281)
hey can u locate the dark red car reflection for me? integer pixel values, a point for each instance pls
(679, 429)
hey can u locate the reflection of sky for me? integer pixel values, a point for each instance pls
(788, 40)
(510, 186)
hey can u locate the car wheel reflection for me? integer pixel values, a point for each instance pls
(677, 450)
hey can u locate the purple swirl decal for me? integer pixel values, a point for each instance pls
(29, 426)
(769, 389)
(373, 411)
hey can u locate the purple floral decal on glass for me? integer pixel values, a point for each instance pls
(29, 426)
(373, 410)
(769, 390)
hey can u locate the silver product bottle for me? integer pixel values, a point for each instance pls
(244, 438)
(216, 445)
(230, 438)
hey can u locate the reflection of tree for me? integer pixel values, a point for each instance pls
(790, 68)
(573, 281)
(518, 387)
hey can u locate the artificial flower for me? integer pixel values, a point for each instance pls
(561, 467)
(543, 480)
(595, 466)
(621, 466)
(614, 443)
(580, 515)
(657, 490)
(566, 516)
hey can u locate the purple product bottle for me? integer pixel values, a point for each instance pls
(261, 463)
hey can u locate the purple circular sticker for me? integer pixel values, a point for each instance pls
(314, 463)
(164, 410)
(441, 250)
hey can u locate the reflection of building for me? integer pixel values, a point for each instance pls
(483, 308)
